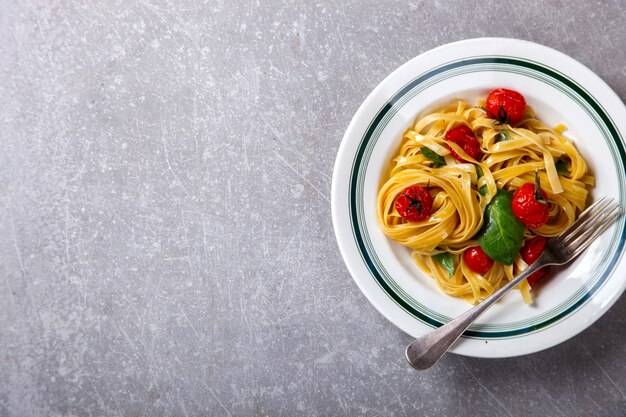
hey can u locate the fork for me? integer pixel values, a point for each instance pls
(425, 351)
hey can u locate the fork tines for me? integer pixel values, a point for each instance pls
(589, 225)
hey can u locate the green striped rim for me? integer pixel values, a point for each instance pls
(474, 68)
(406, 93)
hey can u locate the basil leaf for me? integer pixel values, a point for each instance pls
(479, 172)
(561, 167)
(504, 135)
(433, 156)
(447, 261)
(502, 233)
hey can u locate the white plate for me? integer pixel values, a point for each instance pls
(560, 90)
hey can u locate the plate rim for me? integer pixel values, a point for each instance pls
(455, 56)
(371, 137)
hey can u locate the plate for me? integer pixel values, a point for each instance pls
(560, 90)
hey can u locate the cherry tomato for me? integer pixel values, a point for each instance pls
(464, 137)
(414, 204)
(477, 260)
(530, 205)
(506, 106)
(530, 253)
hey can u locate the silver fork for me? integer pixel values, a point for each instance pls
(426, 350)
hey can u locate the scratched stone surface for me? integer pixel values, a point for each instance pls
(166, 246)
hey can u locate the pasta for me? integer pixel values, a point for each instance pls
(510, 157)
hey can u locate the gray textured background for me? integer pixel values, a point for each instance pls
(166, 245)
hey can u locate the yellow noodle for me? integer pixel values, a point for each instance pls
(458, 206)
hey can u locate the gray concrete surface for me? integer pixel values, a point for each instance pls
(166, 246)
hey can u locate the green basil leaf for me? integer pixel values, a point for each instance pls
(504, 135)
(446, 259)
(479, 172)
(502, 233)
(433, 156)
(561, 167)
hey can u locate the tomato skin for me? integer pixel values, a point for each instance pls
(527, 209)
(464, 137)
(414, 204)
(477, 260)
(530, 253)
(507, 106)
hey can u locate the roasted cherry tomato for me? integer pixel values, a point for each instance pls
(530, 204)
(414, 204)
(506, 106)
(464, 137)
(530, 253)
(477, 260)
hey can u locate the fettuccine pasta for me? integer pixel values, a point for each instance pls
(510, 157)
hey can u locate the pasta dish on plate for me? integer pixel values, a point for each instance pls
(476, 191)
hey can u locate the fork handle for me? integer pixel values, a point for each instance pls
(426, 350)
